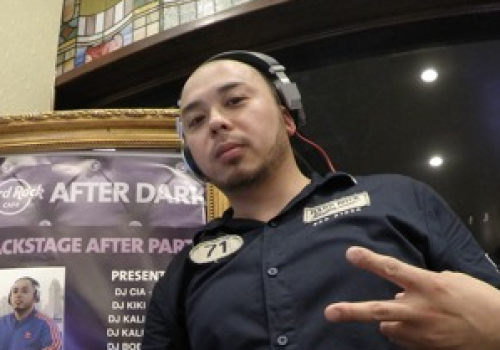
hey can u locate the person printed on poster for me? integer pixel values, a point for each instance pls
(26, 327)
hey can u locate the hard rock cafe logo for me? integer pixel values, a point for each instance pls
(16, 195)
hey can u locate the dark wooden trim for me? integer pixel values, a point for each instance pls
(269, 26)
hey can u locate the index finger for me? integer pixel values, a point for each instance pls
(404, 275)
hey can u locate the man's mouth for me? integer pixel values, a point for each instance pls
(227, 151)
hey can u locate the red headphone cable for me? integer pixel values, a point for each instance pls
(317, 148)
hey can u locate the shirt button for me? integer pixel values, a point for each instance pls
(272, 271)
(273, 223)
(282, 340)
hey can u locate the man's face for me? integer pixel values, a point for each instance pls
(22, 295)
(233, 125)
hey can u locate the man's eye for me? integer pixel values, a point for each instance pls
(235, 100)
(195, 121)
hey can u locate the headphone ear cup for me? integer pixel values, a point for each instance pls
(290, 96)
(191, 164)
(36, 295)
(186, 153)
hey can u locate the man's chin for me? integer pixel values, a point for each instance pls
(237, 181)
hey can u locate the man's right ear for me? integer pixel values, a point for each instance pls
(289, 121)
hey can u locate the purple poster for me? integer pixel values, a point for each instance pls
(95, 230)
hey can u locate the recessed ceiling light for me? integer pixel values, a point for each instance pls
(436, 161)
(429, 75)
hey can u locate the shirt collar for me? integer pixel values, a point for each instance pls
(335, 181)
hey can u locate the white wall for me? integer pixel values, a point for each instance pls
(29, 31)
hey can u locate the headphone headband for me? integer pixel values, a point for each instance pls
(263, 63)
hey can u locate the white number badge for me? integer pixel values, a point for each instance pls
(211, 251)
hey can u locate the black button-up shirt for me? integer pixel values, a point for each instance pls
(254, 285)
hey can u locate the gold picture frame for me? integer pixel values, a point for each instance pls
(99, 129)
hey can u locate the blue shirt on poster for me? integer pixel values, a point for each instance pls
(34, 332)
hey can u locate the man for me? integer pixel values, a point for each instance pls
(26, 328)
(261, 276)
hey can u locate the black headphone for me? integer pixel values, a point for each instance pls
(288, 93)
(36, 286)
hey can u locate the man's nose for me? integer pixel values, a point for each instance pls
(218, 121)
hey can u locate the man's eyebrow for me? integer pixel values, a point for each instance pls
(189, 107)
(229, 86)
(220, 90)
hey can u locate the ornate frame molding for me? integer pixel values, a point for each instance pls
(98, 128)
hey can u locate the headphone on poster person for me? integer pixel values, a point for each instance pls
(36, 287)
(288, 94)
